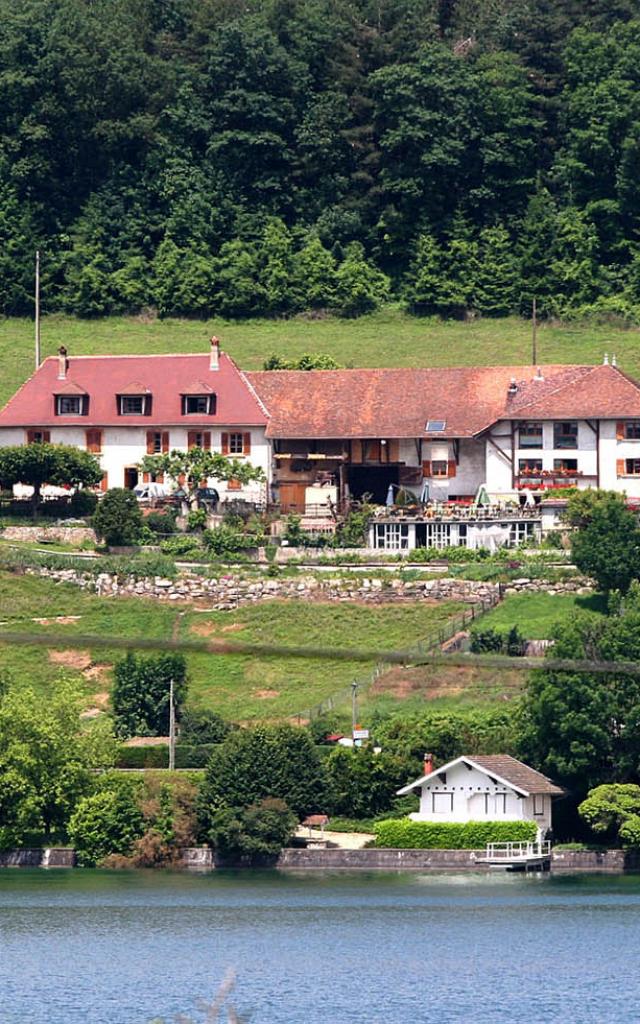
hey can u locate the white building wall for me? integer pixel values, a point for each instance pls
(498, 466)
(126, 446)
(611, 451)
(470, 795)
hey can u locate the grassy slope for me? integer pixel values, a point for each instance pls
(237, 687)
(388, 338)
(536, 614)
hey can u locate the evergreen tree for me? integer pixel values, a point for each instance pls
(314, 276)
(275, 268)
(360, 287)
(496, 275)
(422, 288)
(238, 292)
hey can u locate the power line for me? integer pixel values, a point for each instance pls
(393, 657)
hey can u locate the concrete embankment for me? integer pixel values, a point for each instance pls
(201, 858)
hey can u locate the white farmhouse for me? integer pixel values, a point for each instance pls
(125, 407)
(493, 787)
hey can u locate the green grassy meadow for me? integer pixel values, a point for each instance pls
(387, 338)
(535, 615)
(237, 686)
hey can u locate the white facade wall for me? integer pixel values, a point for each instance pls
(471, 795)
(611, 451)
(126, 446)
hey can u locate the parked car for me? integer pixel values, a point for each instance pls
(150, 492)
(207, 497)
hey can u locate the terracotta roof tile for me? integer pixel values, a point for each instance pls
(398, 402)
(166, 377)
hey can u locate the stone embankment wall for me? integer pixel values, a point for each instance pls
(75, 535)
(231, 590)
(608, 861)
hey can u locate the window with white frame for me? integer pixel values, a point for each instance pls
(442, 803)
(203, 405)
(530, 435)
(132, 405)
(530, 466)
(391, 536)
(500, 803)
(538, 803)
(565, 434)
(566, 465)
(438, 535)
(69, 405)
(439, 467)
(632, 430)
(521, 533)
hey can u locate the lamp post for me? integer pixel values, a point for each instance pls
(172, 730)
(354, 708)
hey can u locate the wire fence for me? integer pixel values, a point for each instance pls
(423, 647)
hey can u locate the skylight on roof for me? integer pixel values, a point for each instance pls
(435, 426)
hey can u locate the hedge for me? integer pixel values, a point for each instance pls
(158, 757)
(403, 834)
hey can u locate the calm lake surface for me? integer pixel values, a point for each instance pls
(92, 947)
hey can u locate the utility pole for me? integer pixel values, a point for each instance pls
(37, 298)
(354, 707)
(172, 730)
(534, 335)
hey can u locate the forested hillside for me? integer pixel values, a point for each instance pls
(245, 157)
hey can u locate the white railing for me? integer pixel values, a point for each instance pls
(518, 851)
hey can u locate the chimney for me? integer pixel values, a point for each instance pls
(605, 361)
(428, 764)
(214, 356)
(63, 363)
(614, 361)
(512, 390)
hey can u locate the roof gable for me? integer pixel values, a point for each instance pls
(503, 768)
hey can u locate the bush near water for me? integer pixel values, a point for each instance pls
(403, 834)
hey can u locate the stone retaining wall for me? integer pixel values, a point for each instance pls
(232, 589)
(608, 861)
(75, 535)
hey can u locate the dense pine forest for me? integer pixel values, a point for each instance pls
(266, 157)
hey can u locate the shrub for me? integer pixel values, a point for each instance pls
(105, 823)
(224, 540)
(266, 761)
(143, 757)
(251, 834)
(181, 546)
(118, 519)
(485, 641)
(161, 522)
(197, 520)
(140, 696)
(201, 725)
(404, 834)
(364, 783)
(83, 503)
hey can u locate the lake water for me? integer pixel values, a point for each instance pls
(91, 947)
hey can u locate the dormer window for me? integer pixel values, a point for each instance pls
(132, 405)
(134, 400)
(69, 405)
(194, 405)
(198, 400)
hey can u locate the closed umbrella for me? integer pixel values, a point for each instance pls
(390, 496)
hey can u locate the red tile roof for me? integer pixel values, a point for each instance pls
(398, 402)
(165, 377)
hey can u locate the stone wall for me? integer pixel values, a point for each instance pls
(607, 861)
(75, 535)
(232, 589)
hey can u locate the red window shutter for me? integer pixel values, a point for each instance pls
(181, 480)
(104, 483)
(191, 439)
(451, 467)
(620, 430)
(246, 444)
(426, 468)
(150, 442)
(46, 436)
(620, 467)
(30, 436)
(94, 440)
(356, 451)
(225, 444)
(165, 441)
(159, 478)
(233, 484)
(393, 450)
(206, 440)
(145, 478)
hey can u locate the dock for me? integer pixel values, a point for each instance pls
(523, 856)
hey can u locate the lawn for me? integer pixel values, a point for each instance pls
(535, 614)
(387, 338)
(238, 687)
